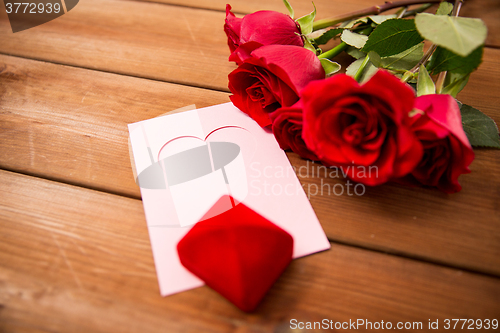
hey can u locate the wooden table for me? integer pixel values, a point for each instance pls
(74, 249)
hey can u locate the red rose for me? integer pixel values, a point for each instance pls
(287, 129)
(271, 77)
(232, 28)
(362, 128)
(447, 151)
(260, 28)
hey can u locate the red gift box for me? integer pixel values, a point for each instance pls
(238, 253)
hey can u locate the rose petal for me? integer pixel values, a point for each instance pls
(287, 128)
(232, 27)
(399, 97)
(296, 66)
(443, 109)
(269, 27)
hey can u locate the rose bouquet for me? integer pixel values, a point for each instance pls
(394, 107)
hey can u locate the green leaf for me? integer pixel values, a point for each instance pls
(329, 34)
(425, 85)
(480, 129)
(306, 22)
(375, 59)
(446, 61)
(456, 85)
(308, 45)
(354, 66)
(369, 71)
(403, 61)
(350, 24)
(354, 52)
(329, 66)
(392, 37)
(353, 39)
(445, 8)
(461, 35)
(289, 7)
(379, 19)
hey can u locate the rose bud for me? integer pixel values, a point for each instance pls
(270, 77)
(260, 28)
(287, 129)
(447, 151)
(362, 128)
(232, 28)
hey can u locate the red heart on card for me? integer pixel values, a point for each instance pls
(239, 254)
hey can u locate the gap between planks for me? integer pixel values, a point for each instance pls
(201, 86)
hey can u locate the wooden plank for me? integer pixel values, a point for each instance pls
(461, 230)
(163, 42)
(487, 10)
(169, 43)
(482, 90)
(88, 267)
(69, 124)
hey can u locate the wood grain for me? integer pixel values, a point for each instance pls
(461, 230)
(88, 268)
(487, 10)
(135, 38)
(69, 124)
(169, 43)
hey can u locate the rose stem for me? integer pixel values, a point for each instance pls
(361, 68)
(332, 53)
(401, 12)
(422, 61)
(458, 6)
(418, 10)
(374, 10)
(442, 75)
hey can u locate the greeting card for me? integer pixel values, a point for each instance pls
(208, 161)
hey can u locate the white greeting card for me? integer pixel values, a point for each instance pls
(187, 161)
